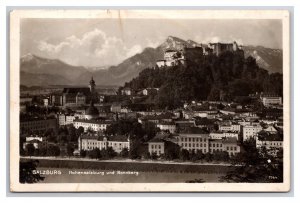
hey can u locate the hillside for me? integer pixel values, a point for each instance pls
(212, 78)
(269, 59)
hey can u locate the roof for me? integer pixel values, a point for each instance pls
(193, 130)
(114, 138)
(170, 50)
(166, 123)
(156, 139)
(34, 141)
(93, 121)
(92, 110)
(267, 136)
(75, 90)
(230, 140)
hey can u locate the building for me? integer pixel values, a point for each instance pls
(126, 91)
(75, 96)
(89, 142)
(167, 126)
(270, 100)
(35, 140)
(91, 112)
(230, 127)
(231, 146)
(150, 91)
(56, 99)
(194, 139)
(116, 108)
(156, 146)
(95, 125)
(250, 131)
(273, 142)
(219, 48)
(64, 119)
(37, 125)
(221, 135)
(215, 145)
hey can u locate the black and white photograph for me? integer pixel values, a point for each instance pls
(153, 100)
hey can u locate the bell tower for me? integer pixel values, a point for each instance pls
(92, 85)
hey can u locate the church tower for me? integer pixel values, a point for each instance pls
(92, 85)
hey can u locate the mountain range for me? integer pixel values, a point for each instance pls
(38, 71)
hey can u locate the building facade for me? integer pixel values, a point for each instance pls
(38, 125)
(89, 142)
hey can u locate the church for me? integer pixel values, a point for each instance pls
(75, 96)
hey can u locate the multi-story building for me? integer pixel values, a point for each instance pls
(271, 99)
(95, 125)
(221, 135)
(269, 140)
(37, 125)
(64, 119)
(167, 126)
(251, 131)
(231, 146)
(75, 96)
(89, 142)
(219, 48)
(196, 139)
(156, 146)
(215, 145)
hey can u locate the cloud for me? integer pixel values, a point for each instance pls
(94, 48)
(152, 44)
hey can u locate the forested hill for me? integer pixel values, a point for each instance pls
(210, 78)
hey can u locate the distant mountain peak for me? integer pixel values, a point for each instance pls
(28, 57)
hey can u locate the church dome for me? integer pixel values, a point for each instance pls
(91, 112)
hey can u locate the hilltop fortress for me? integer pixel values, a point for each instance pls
(186, 55)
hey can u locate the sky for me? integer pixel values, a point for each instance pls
(105, 42)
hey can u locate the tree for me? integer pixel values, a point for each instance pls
(254, 166)
(221, 156)
(83, 153)
(53, 150)
(124, 153)
(154, 156)
(30, 149)
(70, 149)
(94, 153)
(208, 157)
(79, 131)
(27, 174)
(172, 151)
(108, 153)
(184, 155)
